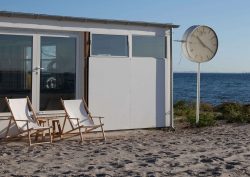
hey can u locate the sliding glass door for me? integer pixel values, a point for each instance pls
(58, 71)
(41, 67)
(15, 67)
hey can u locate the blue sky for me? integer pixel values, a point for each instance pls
(229, 18)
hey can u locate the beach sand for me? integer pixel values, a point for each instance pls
(223, 150)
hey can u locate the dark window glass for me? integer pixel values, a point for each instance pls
(15, 67)
(148, 46)
(58, 74)
(110, 45)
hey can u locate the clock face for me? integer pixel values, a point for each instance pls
(201, 43)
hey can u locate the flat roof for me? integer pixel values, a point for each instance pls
(82, 19)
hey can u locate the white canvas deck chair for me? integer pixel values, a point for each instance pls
(79, 117)
(25, 119)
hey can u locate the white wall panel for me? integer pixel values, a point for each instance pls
(129, 93)
(109, 91)
(147, 93)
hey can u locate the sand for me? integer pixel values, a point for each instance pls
(222, 150)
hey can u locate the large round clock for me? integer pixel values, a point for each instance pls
(200, 43)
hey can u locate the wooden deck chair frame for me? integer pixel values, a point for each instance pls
(80, 127)
(29, 129)
(8, 127)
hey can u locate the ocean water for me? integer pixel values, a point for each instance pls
(215, 87)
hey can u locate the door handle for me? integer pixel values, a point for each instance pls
(37, 68)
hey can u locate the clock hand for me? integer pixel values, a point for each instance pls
(204, 45)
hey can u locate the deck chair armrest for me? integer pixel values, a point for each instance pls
(47, 118)
(73, 118)
(99, 117)
(22, 120)
(5, 119)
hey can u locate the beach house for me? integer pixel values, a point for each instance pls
(123, 69)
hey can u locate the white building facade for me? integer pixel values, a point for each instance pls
(123, 69)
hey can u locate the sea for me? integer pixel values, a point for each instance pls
(216, 88)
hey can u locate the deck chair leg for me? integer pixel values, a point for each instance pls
(64, 122)
(81, 136)
(50, 136)
(103, 134)
(29, 137)
(59, 130)
(8, 128)
(53, 129)
(80, 132)
(43, 134)
(37, 135)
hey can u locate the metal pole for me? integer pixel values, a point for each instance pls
(198, 95)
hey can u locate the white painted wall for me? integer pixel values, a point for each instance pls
(128, 92)
(109, 91)
(147, 93)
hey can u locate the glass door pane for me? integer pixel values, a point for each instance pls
(15, 67)
(58, 71)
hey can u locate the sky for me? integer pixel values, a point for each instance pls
(229, 18)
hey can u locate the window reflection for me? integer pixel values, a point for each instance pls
(148, 46)
(15, 67)
(58, 60)
(109, 45)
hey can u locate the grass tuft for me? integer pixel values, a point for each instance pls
(228, 111)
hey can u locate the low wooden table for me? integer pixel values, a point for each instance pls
(42, 119)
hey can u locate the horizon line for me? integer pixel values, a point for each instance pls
(207, 72)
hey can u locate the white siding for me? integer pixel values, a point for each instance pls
(130, 93)
(109, 91)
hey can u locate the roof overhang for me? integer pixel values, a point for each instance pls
(82, 19)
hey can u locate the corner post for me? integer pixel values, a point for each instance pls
(169, 114)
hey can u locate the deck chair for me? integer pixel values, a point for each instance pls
(79, 117)
(26, 122)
